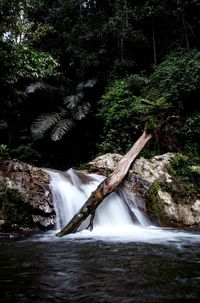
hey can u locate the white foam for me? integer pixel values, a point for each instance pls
(113, 221)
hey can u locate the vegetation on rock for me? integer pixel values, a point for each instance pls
(169, 200)
(185, 178)
(15, 210)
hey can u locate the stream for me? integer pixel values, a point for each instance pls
(43, 268)
(124, 259)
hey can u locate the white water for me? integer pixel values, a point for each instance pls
(70, 193)
(113, 218)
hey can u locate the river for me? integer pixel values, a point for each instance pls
(120, 261)
(43, 269)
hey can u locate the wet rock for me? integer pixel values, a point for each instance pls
(46, 222)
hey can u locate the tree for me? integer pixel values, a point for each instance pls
(118, 114)
(22, 64)
(178, 77)
(152, 110)
(105, 188)
(104, 40)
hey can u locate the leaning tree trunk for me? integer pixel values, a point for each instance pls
(106, 187)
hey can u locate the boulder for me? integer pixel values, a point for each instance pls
(103, 165)
(154, 169)
(26, 200)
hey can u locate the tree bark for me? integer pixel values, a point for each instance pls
(154, 42)
(106, 187)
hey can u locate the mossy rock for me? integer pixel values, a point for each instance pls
(15, 211)
(156, 211)
(169, 202)
(185, 179)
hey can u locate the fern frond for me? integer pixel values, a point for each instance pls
(147, 102)
(81, 111)
(39, 86)
(161, 103)
(64, 126)
(72, 101)
(45, 122)
(87, 84)
(153, 94)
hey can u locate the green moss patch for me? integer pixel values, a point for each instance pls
(157, 213)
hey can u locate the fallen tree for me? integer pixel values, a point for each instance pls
(106, 187)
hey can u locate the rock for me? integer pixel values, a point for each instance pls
(103, 165)
(170, 210)
(170, 205)
(2, 222)
(153, 169)
(31, 187)
(148, 184)
(150, 170)
(46, 222)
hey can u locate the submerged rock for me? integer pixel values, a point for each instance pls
(25, 197)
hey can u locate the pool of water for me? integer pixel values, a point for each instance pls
(43, 268)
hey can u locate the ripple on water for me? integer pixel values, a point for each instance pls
(102, 269)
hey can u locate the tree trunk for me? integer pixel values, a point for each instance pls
(106, 187)
(154, 42)
(185, 31)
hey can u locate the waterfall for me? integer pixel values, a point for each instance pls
(70, 191)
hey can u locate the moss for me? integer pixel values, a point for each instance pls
(157, 213)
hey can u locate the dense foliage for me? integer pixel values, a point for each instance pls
(144, 58)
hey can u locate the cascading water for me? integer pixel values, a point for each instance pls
(117, 218)
(70, 191)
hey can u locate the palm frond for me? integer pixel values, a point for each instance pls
(87, 84)
(81, 111)
(64, 126)
(40, 86)
(73, 100)
(45, 122)
(146, 106)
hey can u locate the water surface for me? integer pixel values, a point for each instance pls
(118, 261)
(82, 269)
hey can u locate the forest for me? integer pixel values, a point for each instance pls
(85, 87)
(82, 78)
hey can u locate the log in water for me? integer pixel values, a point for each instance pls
(70, 191)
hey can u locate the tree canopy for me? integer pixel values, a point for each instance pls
(143, 56)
